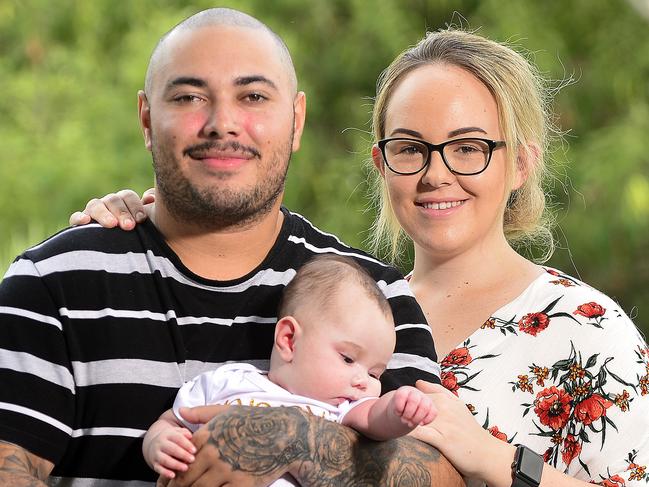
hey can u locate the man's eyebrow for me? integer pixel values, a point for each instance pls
(256, 78)
(187, 80)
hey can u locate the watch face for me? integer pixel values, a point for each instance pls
(530, 466)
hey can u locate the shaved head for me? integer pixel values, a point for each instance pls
(215, 17)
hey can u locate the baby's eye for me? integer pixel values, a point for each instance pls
(347, 360)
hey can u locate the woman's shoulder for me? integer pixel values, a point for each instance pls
(565, 294)
(558, 305)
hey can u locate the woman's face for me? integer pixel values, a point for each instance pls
(446, 214)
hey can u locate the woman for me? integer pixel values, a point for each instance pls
(539, 358)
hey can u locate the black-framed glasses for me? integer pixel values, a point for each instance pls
(465, 157)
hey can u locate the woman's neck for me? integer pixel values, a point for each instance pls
(459, 293)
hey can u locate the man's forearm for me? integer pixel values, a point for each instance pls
(20, 468)
(320, 453)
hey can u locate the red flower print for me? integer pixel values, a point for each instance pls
(553, 272)
(552, 406)
(590, 310)
(614, 481)
(571, 449)
(533, 323)
(459, 356)
(450, 382)
(497, 433)
(591, 409)
(547, 455)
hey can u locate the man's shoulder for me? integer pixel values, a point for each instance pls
(304, 234)
(88, 247)
(87, 238)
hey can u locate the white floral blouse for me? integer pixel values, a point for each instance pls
(564, 371)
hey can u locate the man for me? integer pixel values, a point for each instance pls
(99, 327)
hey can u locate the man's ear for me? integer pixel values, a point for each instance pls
(144, 114)
(299, 112)
(526, 159)
(287, 330)
(377, 157)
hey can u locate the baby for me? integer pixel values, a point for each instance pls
(333, 340)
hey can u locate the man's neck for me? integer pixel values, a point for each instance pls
(220, 254)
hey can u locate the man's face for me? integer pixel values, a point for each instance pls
(221, 120)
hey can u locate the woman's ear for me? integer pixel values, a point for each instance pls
(526, 159)
(377, 157)
(287, 330)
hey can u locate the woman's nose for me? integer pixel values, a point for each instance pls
(436, 174)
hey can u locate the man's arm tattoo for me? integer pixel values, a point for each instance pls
(319, 453)
(20, 468)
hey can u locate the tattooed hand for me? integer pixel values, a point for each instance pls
(246, 447)
(19, 468)
(252, 447)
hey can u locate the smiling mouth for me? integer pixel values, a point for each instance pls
(444, 205)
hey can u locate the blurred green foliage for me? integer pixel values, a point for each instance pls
(70, 70)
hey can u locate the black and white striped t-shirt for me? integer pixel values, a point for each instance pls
(100, 327)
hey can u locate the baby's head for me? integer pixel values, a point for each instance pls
(335, 333)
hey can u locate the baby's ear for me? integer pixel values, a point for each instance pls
(286, 330)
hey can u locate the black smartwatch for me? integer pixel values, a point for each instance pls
(527, 467)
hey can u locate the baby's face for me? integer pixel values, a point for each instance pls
(344, 349)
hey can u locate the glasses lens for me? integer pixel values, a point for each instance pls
(467, 156)
(405, 156)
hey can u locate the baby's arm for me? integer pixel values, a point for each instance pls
(167, 446)
(392, 415)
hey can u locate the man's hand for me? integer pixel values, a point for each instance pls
(124, 208)
(243, 446)
(248, 447)
(20, 468)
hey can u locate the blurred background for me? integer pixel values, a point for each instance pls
(70, 71)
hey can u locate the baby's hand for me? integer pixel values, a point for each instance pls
(171, 451)
(413, 406)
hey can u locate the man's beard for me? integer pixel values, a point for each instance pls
(218, 206)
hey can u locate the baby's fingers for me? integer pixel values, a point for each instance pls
(165, 472)
(169, 464)
(179, 451)
(181, 438)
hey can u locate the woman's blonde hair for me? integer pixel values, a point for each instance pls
(523, 110)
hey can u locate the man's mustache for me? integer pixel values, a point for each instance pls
(199, 150)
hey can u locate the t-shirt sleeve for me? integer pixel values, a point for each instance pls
(414, 356)
(37, 397)
(347, 406)
(203, 390)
